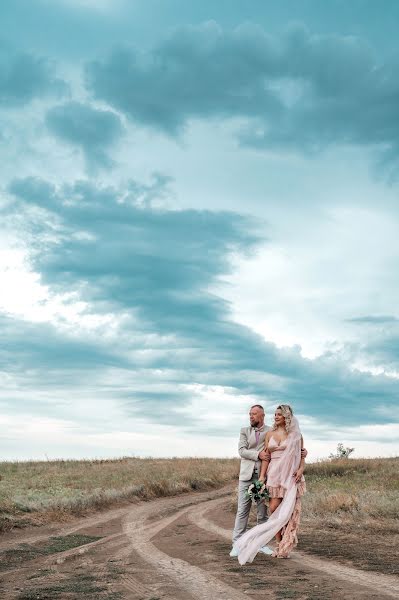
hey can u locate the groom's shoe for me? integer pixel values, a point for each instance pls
(233, 552)
(266, 550)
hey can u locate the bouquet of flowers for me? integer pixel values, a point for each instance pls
(257, 491)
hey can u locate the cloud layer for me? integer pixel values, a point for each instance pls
(301, 90)
(187, 213)
(156, 267)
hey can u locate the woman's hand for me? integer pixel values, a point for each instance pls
(298, 475)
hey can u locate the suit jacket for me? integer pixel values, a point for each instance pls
(248, 449)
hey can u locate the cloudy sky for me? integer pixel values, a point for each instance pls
(198, 213)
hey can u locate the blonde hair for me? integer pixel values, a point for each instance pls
(287, 413)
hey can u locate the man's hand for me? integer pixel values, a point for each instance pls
(304, 453)
(264, 455)
(298, 475)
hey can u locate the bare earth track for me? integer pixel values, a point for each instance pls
(170, 549)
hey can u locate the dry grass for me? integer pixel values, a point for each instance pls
(350, 513)
(40, 492)
(353, 491)
(347, 492)
(341, 493)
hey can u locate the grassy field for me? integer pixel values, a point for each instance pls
(349, 490)
(341, 494)
(351, 513)
(348, 493)
(41, 492)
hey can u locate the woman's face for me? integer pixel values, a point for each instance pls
(278, 418)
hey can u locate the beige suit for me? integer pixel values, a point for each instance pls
(249, 450)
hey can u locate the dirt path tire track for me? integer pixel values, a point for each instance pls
(131, 534)
(190, 579)
(114, 545)
(373, 581)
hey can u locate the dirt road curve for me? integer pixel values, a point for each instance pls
(169, 549)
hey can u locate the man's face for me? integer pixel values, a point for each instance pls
(256, 417)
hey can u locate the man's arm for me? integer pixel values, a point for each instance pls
(299, 472)
(243, 450)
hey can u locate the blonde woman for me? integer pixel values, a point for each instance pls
(286, 486)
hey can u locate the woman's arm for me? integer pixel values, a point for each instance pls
(265, 463)
(298, 474)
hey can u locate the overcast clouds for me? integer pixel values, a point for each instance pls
(198, 212)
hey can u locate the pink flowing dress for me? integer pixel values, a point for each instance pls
(274, 472)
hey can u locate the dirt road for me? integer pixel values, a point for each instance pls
(170, 549)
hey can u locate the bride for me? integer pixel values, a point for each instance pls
(285, 484)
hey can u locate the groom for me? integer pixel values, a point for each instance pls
(250, 448)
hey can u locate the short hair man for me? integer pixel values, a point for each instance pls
(250, 448)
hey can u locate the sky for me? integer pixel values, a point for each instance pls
(198, 213)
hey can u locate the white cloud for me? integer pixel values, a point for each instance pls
(302, 288)
(24, 296)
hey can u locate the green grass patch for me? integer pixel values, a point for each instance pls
(80, 584)
(26, 552)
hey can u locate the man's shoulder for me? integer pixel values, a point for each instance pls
(245, 429)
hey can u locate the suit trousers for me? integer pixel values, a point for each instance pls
(244, 508)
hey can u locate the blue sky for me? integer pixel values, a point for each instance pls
(198, 213)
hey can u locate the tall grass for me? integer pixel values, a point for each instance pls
(340, 492)
(39, 492)
(351, 490)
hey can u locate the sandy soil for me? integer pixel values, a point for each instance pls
(171, 549)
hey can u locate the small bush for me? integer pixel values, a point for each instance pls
(342, 452)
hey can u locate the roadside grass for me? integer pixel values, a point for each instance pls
(34, 493)
(340, 492)
(348, 493)
(350, 513)
(79, 585)
(353, 491)
(15, 557)
(96, 585)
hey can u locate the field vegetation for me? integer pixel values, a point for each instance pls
(40, 492)
(353, 490)
(342, 493)
(351, 512)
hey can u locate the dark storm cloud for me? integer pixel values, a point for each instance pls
(299, 90)
(94, 131)
(25, 76)
(198, 72)
(34, 347)
(160, 262)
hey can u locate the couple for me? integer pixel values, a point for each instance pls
(276, 456)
